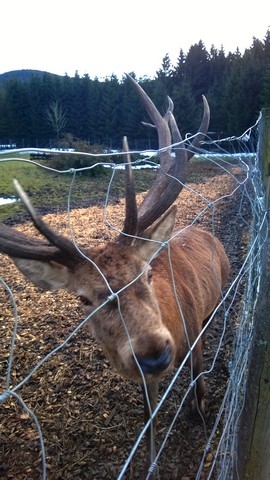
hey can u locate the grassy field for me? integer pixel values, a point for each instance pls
(49, 190)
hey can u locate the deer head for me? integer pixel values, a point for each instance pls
(118, 276)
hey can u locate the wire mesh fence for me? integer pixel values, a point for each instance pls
(65, 413)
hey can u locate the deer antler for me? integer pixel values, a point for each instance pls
(18, 245)
(172, 174)
(130, 228)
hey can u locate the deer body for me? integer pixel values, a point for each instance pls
(149, 292)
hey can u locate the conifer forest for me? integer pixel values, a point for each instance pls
(38, 109)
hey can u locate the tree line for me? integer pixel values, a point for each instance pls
(47, 106)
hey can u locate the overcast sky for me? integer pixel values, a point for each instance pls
(104, 37)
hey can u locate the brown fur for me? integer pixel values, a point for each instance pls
(198, 264)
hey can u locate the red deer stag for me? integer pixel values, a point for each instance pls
(155, 299)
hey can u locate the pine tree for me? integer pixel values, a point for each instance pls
(197, 70)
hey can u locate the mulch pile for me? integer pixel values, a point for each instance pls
(90, 416)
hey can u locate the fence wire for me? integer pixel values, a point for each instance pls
(216, 460)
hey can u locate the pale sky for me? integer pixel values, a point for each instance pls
(105, 37)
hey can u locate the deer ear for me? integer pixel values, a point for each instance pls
(46, 275)
(160, 232)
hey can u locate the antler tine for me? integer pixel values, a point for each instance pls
(18, 245)
(177, 138)
(131, 215)
(192, 149)
(164, 134)
(62, 243)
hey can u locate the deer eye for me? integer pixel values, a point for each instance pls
(150, 275)
(85, 301)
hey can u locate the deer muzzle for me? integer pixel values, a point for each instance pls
(154, 365)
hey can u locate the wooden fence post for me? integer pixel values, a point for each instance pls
(253, 452)
(264, 152)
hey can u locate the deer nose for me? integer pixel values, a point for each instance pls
(156, 364)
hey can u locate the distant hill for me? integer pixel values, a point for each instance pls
(22, 75)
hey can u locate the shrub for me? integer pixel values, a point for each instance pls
(65, 160)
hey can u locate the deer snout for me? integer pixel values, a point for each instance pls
(155, 364)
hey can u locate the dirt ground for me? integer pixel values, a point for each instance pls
(90, 416)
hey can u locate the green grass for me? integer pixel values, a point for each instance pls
(49, 190)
